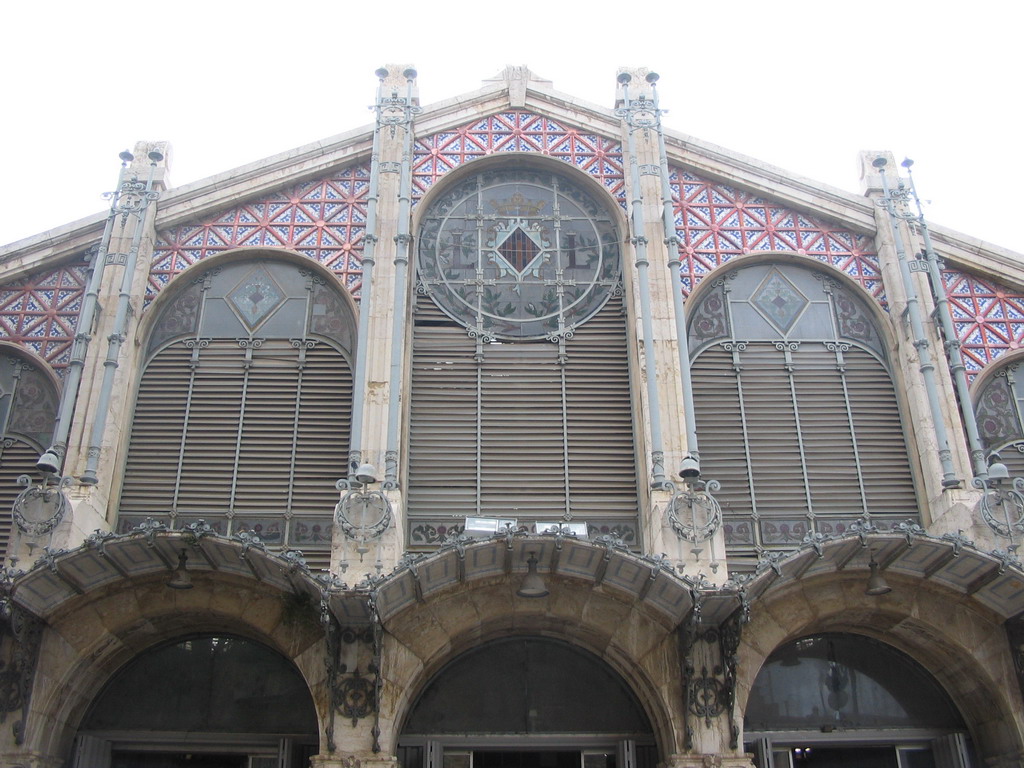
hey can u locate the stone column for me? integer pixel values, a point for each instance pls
(91, 502)
(393, 127)
(639, 130)
(946, 510)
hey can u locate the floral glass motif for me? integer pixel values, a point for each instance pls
(519, 254)
(716, 223)
(324, 219)
(518, 131)
(255, 298)
(779, 301)
(998, 420)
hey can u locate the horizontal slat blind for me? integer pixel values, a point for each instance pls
(263, 438)
(801, 441)
(510, 435)
(602, 461)
(16, 458)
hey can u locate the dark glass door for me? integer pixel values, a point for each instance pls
(175, 760)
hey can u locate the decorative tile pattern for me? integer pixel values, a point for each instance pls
(40, 312)
(715, 223)
(323, 219)
(517, 131)
(988, 318)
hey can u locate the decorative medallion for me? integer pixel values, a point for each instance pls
(255, 298)
(518, 255)
(779, 301)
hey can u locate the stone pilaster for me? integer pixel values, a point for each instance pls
(906, 355)
(394, 125)
(91, 502)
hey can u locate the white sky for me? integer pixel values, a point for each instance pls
(801, 85)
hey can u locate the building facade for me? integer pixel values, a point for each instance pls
(510, 431)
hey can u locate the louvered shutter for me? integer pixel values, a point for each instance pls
(263, 438)
(520, 434)
(243, 412)
(16, 458)
(811, 441)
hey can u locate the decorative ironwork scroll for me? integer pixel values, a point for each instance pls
(711, 693)
(20, 637)
(355, 683)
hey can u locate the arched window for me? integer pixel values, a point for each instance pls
(243, 410)
(999, 407)
(28, 409)
(520, 381)
(528, 701)
(211, 700)
(847, 700)
(796, 411)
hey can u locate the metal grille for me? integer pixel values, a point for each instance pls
(796, 412)
(16, 458)
(243, 412)
(516, 433)
(803, 445)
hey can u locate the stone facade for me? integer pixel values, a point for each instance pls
(687, 631)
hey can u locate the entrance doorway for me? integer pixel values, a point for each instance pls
(527, 702)
(177, 760)
(848, 701)
(208, 701)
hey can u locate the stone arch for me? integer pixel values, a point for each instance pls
(982, 377)
(92, 637)
(637, 647)
(962, 644)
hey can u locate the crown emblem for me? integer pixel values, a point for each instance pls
(518, 205)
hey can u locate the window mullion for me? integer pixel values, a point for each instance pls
(839, 347)
(735, 347)
(248, 345)
(788, 348)
(195, 345)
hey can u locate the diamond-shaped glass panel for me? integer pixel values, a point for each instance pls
(518, 250)
(779, 301)
(256, 297)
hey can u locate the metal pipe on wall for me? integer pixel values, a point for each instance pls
(921, 344)
(642, 263)
(52, 460)
(952, 342)
(398, 328)
(691, 462)
(117, 337)
(355, 455)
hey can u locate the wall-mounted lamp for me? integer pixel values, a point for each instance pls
(877, 585)
(533, 583)
(181, 579)
(363, 514)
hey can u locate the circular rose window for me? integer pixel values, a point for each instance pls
(518, 255)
